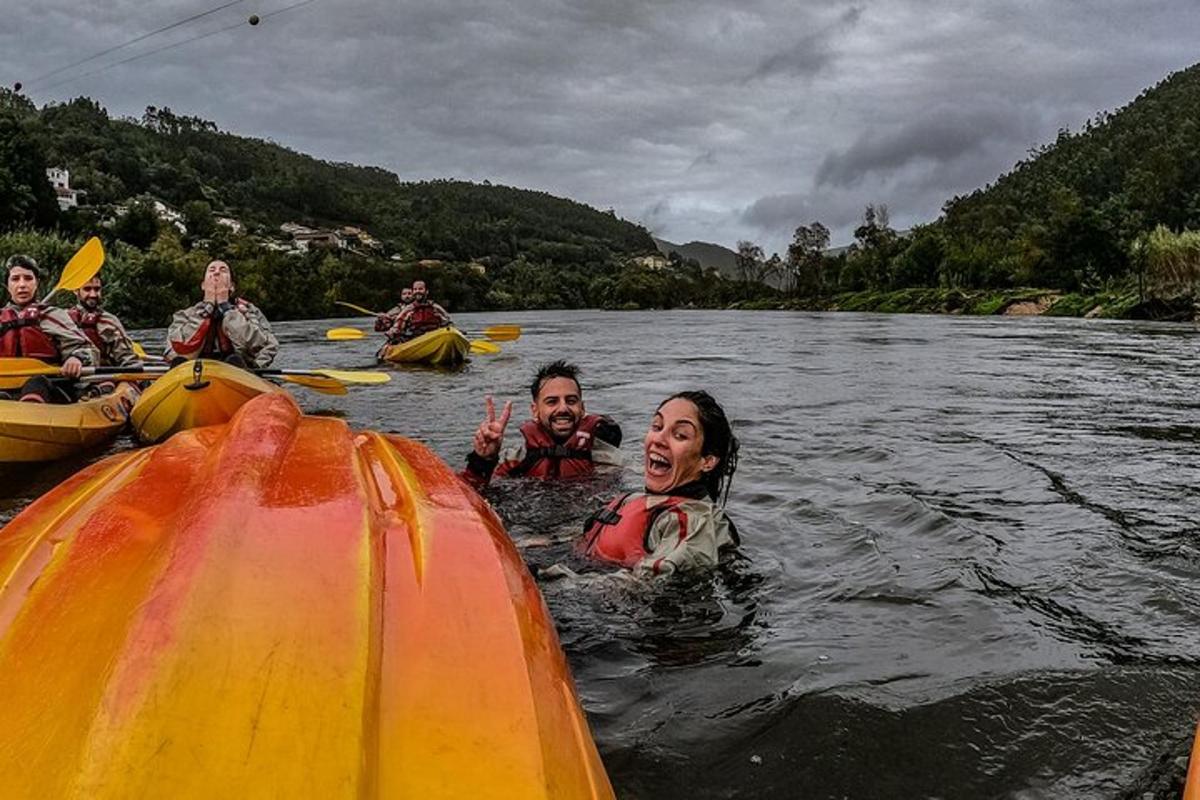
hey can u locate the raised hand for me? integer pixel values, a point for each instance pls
(490, 434)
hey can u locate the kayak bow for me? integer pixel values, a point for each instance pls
(279, 607)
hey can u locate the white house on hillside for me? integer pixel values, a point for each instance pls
(60, 179)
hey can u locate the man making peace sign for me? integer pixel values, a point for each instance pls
(561, 440)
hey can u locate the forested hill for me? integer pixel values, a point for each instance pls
(180, 159)
(1070, 214)
(167, 192)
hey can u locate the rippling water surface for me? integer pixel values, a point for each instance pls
(971, 553)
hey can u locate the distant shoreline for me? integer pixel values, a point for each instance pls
(1115, 304)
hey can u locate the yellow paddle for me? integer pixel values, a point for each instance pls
(82, 267)
(344, 334)
(358, 308)
(482, 347)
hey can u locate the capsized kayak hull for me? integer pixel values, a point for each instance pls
(444, 347)
(192, 395)
(48, 432)
(279, 607)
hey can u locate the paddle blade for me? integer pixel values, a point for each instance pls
(503, 333)
(82, 267)
(26, 367)
(357, 308)
(354, 376)
(344, 334)
(482, 347)
(318, 383)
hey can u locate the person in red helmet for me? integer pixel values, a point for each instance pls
(560, 440)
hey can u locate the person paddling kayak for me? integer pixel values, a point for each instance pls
(385, 321)
(102, 328)
(31, 329)
(678, 523)
(222, 325)
(422, 316)
(561, 440)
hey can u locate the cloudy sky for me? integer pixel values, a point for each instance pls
(716, 121)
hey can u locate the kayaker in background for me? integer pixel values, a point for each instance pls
(678, 523)
(222, 325)
(385, 321)
(29, 329)
(561, 440)
(422, 316)
(102, 328)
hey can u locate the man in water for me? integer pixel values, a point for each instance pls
(386, 320)
(561, 440)
(422, 316)
(102, 328)
(222, 325)
(29, 329)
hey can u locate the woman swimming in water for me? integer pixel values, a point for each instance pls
(678, 523)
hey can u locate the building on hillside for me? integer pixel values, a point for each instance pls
(231, 224)
(320, 240)
(60, 179)
(477, 268)
(655, 261)
(293, 228)
(169, 215)
(429, 263)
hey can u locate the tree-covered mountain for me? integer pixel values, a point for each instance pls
(1110, 211)
(169, 191)
(706, 254)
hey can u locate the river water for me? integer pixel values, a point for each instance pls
(971, 562)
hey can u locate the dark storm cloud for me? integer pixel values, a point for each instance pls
(701, 118)
(937, 138)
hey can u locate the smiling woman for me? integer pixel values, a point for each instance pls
(690, 456)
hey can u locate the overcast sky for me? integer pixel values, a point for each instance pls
(705, 120)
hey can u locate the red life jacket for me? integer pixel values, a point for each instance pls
(422, 318)
(545, 458)
(21, 334)
(88, 322)
(618, 532)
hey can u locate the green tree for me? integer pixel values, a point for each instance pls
(26, 196)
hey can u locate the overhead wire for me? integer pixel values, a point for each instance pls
(143, 37)
(171, 46)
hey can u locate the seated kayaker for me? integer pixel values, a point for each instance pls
(102, 328)
(422, 316)
(222, 325)
(561, 440)
(385, 321)
(29, 329)
(676, 524)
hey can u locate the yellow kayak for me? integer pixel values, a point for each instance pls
(192, 395)
(279, 607)
(444, 347)
(47, 432)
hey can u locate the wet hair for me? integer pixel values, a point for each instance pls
(555, 369)
(718, 440)
(24, 262)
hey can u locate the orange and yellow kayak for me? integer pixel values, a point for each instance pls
(445, 347)
(279, 607)
(48, 432)
(1191, 789)
(192, 395)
